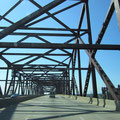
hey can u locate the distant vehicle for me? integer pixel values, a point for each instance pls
(14, 95)
(52, 94)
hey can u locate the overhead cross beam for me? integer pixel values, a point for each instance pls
(29, 18)
(41, 69)
(46, 29)
(52, 16)
(36, 54)
(60, 46)
(55, 13)
(25, 20)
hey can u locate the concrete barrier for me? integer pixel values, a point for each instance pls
(4, 102)
(109, 104)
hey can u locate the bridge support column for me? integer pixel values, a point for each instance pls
(79, 71)
(73, 86)
(94, 82)
(6, 82)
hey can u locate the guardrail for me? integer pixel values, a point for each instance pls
(108, 104)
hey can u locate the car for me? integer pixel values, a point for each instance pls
(14, 95)
(52, 94)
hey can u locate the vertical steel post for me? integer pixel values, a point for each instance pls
(79, 71)
(6, 82)
(94, 82)
(73, 88)
(90, 42)
(13, 92)
(88, 22)
(66, 82)
(16, 86)
(8, 90)
(19, 88)
(22, 91)
(69, 82)
(63, 83)
(28, 87)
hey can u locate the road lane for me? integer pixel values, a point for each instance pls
(59, 108)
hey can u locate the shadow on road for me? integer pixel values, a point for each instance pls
(7, 112)
(67, 115)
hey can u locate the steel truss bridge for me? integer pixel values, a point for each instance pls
(30, 76)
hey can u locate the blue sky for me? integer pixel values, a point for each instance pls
(109, 60)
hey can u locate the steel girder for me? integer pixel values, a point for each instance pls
(99, 39)
(60, 46)
(29, 18)
(62, 67)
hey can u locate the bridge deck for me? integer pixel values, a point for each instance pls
(59, 108)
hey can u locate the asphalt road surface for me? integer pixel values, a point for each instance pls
(59, 108)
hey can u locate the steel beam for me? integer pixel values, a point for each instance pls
(52, 16)
(22, 59)
(45, 34)
(6, 20)
(117, 9)
(88, 23)
(55, 13)
(99, 39)
(74, 83)
(17, 42)
(35, 54)
(29, 18)
(5, 60)
(94, 82)
(13, 7)
(6, 82)
(105, 24)
(90, 42)
(42, 65)
(103, 75)
(87, 80)
(41, 69)
(81, 18)
(37, 80)
(60, 46)
(55, 60)
(46, 29)
(79, 71)
(34, 59)
(72, 77)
